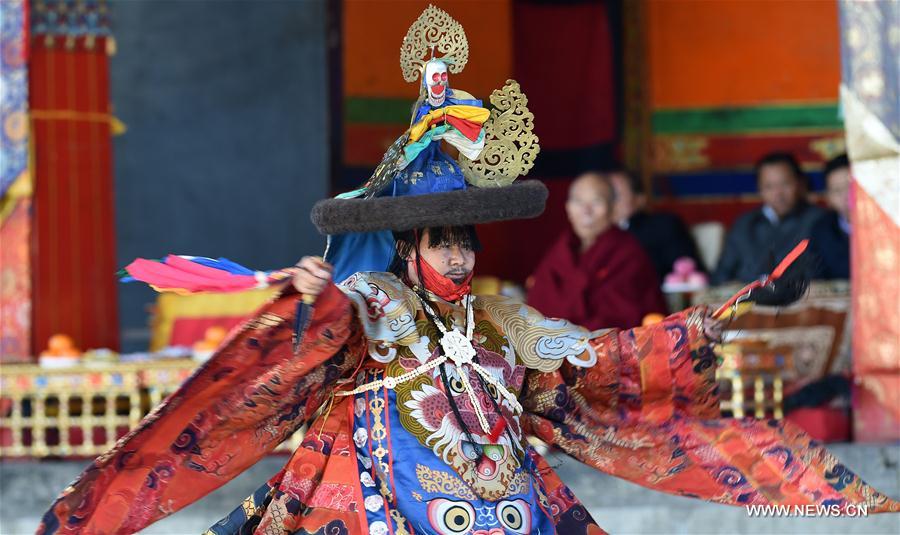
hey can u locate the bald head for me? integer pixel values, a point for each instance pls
(589, 206)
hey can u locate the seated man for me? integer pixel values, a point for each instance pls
(596, 274)
(762, 236)
(830, 236)
(663, 236)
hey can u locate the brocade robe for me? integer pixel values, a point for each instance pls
(638, 404)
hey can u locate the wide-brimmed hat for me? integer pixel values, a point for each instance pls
(470, 206)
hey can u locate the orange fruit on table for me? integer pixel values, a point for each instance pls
(212, 338)
(61, 345)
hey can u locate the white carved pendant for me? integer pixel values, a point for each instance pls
(457, 347)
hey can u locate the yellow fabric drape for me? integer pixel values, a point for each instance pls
(476, 114)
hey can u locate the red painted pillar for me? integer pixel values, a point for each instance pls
(74, 286)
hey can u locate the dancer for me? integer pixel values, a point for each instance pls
(419, 396)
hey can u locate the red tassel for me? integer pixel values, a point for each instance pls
(776, 273)
(788, 260)
(497, 430)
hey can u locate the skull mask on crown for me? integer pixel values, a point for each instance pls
(435, 80)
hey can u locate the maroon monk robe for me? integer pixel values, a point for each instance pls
(612, 284)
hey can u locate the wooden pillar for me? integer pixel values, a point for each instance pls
(74, 284)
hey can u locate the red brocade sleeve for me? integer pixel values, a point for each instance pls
(647, 412)
(238, 406)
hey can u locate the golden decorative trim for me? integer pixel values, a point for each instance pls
(434, 30)
(510, 144)
(71, 115)
(439, 482)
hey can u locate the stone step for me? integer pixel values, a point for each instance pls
(27, 488)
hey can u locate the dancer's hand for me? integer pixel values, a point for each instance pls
(311, 276)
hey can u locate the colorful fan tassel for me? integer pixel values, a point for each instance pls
(195, 274)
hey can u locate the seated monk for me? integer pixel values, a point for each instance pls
(596, 275)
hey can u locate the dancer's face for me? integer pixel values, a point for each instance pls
(452, 261)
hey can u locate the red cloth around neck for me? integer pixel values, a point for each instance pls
(440, 285)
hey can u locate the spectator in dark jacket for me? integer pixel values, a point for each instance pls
(663, 236)
(830, 236)
(760, 238)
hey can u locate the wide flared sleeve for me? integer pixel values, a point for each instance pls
(238, 406)
(647, 411)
